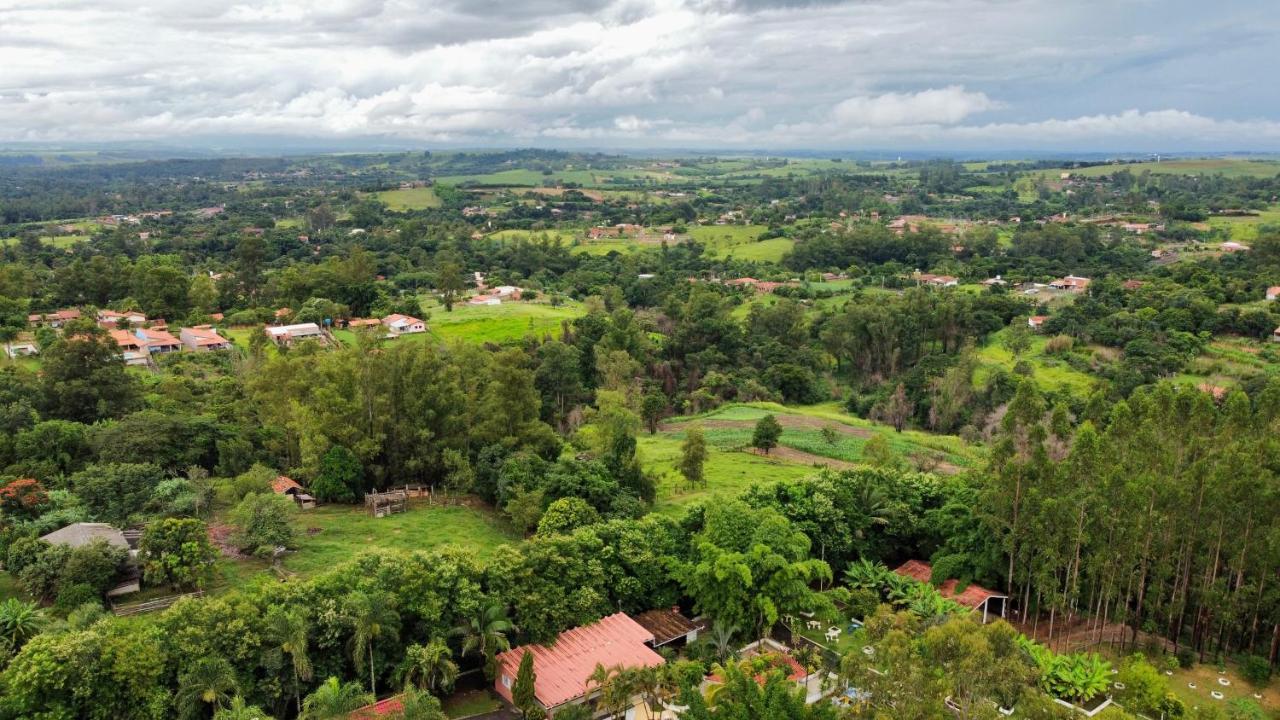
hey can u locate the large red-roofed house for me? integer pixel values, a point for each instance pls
(562, 668)
(974, 596)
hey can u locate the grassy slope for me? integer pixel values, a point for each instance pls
(1244, 229)
(1050, 373)
(730, 470)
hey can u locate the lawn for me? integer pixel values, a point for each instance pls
(331, 534)
(470, 702)
(9, 587)
(420, 198)
(507, 322)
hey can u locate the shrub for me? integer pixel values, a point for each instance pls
(1186, 658)
(1059, 344)
(1257, 670)
(262, 523)
(73, 596)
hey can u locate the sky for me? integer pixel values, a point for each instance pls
(1110, 75)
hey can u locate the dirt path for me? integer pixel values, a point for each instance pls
(802, 458)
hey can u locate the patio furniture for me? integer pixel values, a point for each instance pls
(833, 634)
(814, 624)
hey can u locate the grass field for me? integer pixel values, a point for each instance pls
(332, 534)
(1245, 228)
(1051, 374)
(727, 472)
(564, 236)
(499, 323)
(420, 198)
(1229, 167)
(470, 702)
(731, 467)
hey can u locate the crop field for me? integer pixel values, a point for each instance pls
(420, 198)
(1051, 374)
(732, 465)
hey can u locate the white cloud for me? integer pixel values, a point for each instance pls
(943, 106)
(769, 73)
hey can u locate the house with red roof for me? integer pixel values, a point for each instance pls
(202, 338)
(1035, 321)
(1070, 283)
(1273, 292)
(973, 596)
(562, 669)
(157, 341)
(287, 486)
(398, 324)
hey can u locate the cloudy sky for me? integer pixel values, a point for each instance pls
(1108, 75)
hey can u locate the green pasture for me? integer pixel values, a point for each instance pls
(419, 198)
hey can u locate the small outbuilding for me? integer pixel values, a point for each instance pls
(973, 596)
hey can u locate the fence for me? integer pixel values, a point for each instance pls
(151, 605)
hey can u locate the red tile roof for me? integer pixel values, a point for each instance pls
(562, 669)
(284, 484)
(381, 708)
(971, 597)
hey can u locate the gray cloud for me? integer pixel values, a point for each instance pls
(1133, 74)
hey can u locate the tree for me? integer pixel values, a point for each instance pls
(765, 437)
(829, 434)
(116, 491)
(525, 509)
(486, 635)
(373, 618)
(22, 498)
(428, 667)
(750, 567)
(693, 455)
(1017, 339)
(82, 378)
(652, 407)
(566, 515)
(341, 476)
(207, 682)
(238, 709)
(19, 622)
(334, 700)
(263, 523)
(895, 409)
(176, 551)
(522, 692)
(289, 632)
(449, 282)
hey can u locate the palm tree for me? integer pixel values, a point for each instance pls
(238, 710)
(807, 655)
(486, 634)
(865, 575)
(429, 667)
(721, 640)
(19, 622)
(289, 629)
(373, 618)
(209, 681)
(334, 700)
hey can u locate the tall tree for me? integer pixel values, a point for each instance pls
(373, 618)
(289, 632)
